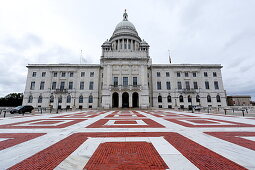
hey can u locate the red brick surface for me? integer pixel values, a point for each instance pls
(125, 122)
(203, 121)
(233, 124)
(236, 138)
(200, 156)
(45, 122)
(19, 124)
(16, 138)
(101, 124)
(125, 155)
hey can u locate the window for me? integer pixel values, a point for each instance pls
(125, 81)
(115, 81)
(134, 81)
(81, 99)
(55, 74)
(189, 99)
(195, 85)
(187, 85)
(158, 74)
(54, 85)
(168, 85)
(209, 99)
(32, 86)
(42, 85)
(218, 98)
(194, 74)
(167, 74)
(60, 99)
(159, 99)
(71, 74)
(181, 98)
(82, 74)
(90, 99)
(51, 99)
(91, 85)
(82, 85)
(30, 99)
(34, 74)
(216, 85)
(178, 74)
(179, 85)
(43, 74)
(159, 85)
(207, 85)
(186, 74)
(40, 99)
(70, 86)
(68, 99)
(63, 74)
(169, 99)
(205, 74)
(214, 74)
(91, 74)
(62, 85)
(198, 98)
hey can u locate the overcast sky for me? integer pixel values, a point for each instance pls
(196, 31)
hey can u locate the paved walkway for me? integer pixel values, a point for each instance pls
(149, 139)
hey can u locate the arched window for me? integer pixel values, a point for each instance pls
(198, 98)
(189, 99)
(181, 98)
(40, 99)
(90, 99)
(159, 99)
(60, 99)
(81, 99)
(51, 99)
(169, 99)
(30, 99)
(68, 99)
(209, 99)
(218, 98)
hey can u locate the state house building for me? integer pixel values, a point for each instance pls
(124, 78)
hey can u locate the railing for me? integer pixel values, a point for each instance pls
(61, 91)
(188, 90)
(128, 87)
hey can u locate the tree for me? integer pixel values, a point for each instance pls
(12, 99)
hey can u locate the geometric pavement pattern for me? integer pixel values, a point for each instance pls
(127, 139)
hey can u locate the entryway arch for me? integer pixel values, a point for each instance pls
(135, 99)
(125, 100)
(115, 99)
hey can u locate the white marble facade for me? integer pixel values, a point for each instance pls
(125, 77)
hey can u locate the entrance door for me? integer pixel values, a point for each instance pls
(135, 99)
(125, 100)
(115, 99)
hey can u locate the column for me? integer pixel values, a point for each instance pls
(120, 100)
(130, 99)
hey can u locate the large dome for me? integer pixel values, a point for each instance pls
(125, 27)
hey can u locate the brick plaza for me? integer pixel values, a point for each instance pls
(127, 139)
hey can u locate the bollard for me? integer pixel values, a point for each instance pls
(41, 110)
(246, 110)
(4, 113)
(208, 110)
(225, 111)
(243, 112)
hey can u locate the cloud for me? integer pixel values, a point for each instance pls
(196, 31)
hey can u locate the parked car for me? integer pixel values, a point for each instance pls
(22, 109)
(198, 107)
